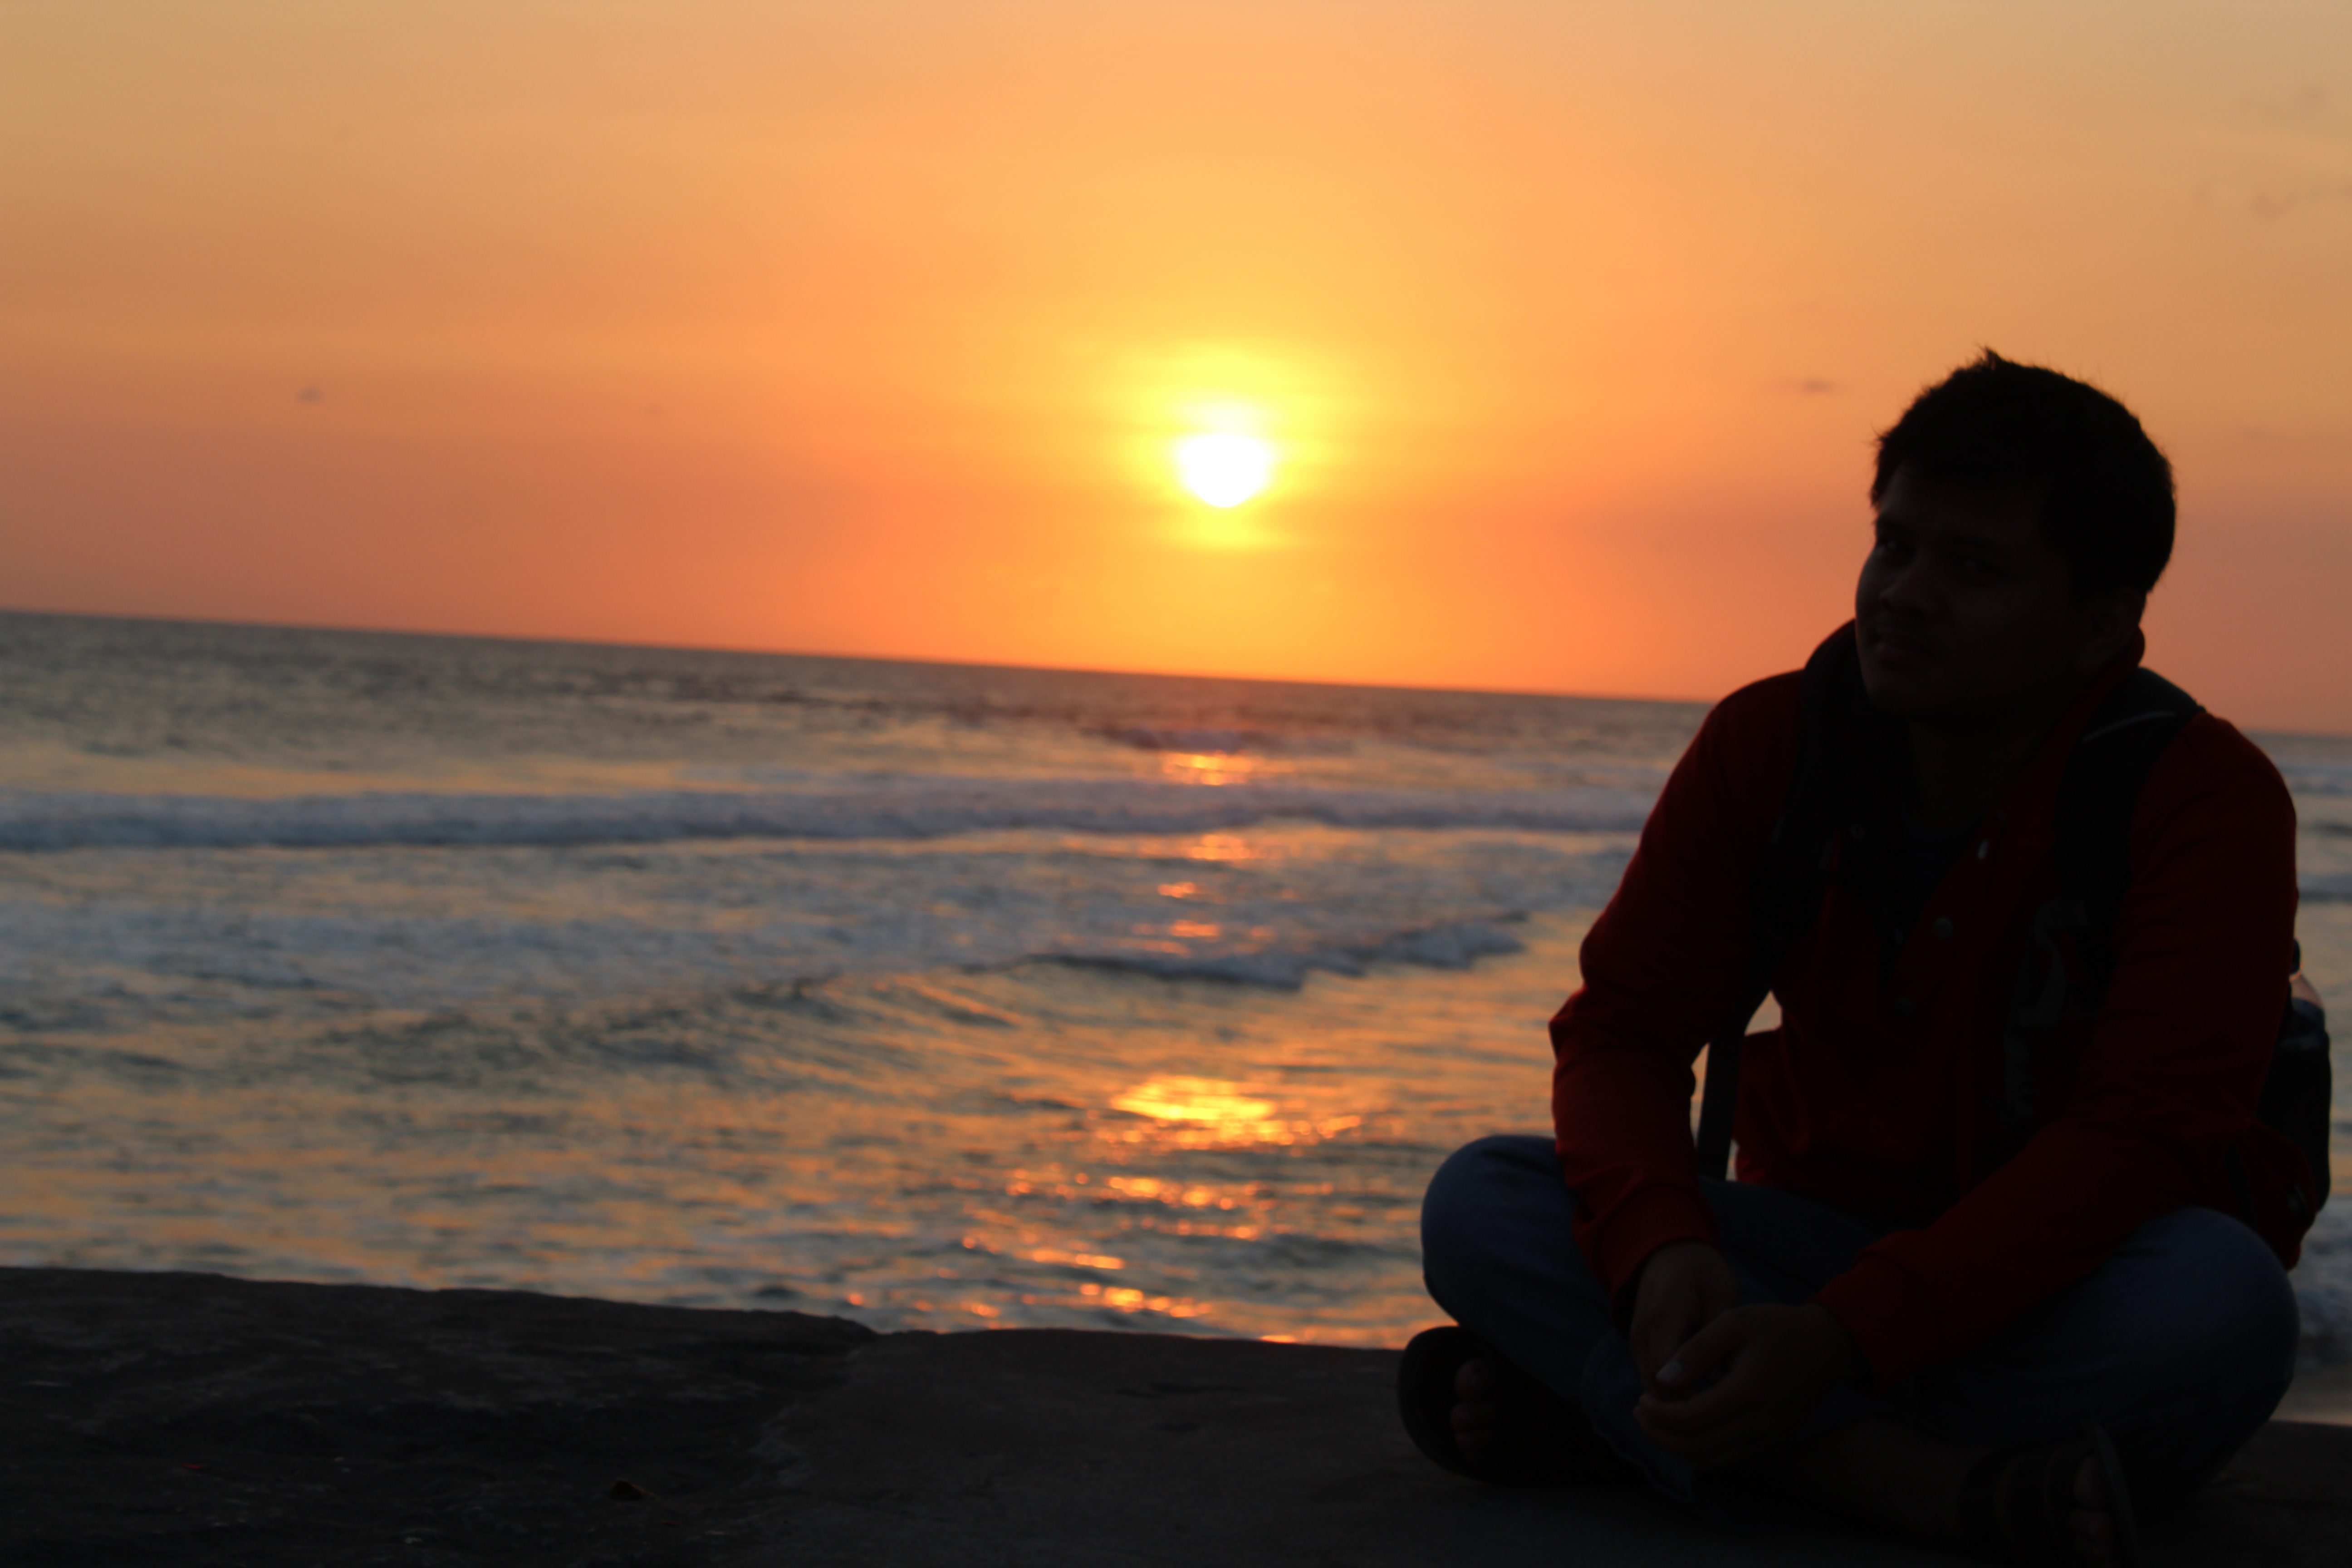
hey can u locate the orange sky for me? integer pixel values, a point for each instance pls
(866, 328)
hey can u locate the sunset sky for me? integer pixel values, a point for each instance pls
(872, 326)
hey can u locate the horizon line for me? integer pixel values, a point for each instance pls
(850, 658)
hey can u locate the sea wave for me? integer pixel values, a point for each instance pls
(169, 966)
(1456, 944)
(873, 808)
(2311, 779)
(2327, 887)
(1219, 740)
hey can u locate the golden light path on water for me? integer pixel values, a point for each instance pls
(1214, 768)
(1045, 1145)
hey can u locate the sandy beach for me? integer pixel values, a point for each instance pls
(191, 1420)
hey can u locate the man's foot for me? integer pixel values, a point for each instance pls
(1478, 1413)
(2055, 1503)
(2060, 1503)
(2094, 1519)
(1475, 1414)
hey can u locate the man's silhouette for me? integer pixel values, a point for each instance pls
(1992, 1265)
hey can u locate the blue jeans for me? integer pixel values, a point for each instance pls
(2180, 1343)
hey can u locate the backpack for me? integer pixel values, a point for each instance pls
(2095, 797)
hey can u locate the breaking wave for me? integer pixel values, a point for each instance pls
(879, 808)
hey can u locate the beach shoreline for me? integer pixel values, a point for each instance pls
(195, 1420)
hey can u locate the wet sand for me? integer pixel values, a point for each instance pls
(189, 1419)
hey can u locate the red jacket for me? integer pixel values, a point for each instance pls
(1881, 1091)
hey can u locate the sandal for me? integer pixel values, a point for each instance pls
(2017, 1505)
(1544, 1439)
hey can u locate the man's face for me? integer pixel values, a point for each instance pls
(1963, 616)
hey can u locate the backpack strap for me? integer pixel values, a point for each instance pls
(2095, 799)
(2091, 855)
(1785, 891)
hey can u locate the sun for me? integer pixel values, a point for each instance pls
(1224, 469)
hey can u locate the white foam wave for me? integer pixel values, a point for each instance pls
(2327, 887)
(2322, 1282)
(2317, 780)
(877, 809)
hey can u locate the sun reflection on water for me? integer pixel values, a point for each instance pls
(1207, 1100)
(1204, 1113)
(1127, 1300)
(1070, 1170)
(1212, 767)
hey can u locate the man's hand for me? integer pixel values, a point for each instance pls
(1769, 1369)
(1684, 1286)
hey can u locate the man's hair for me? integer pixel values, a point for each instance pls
(2104, 489)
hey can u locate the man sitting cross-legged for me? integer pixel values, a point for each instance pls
(1992, 1265)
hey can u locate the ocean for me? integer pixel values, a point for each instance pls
(931, 995)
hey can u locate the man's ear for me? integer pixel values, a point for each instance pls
(2108, 622)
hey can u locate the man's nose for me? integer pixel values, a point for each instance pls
(1910, 588)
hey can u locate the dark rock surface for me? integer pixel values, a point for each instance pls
(189, 1419)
